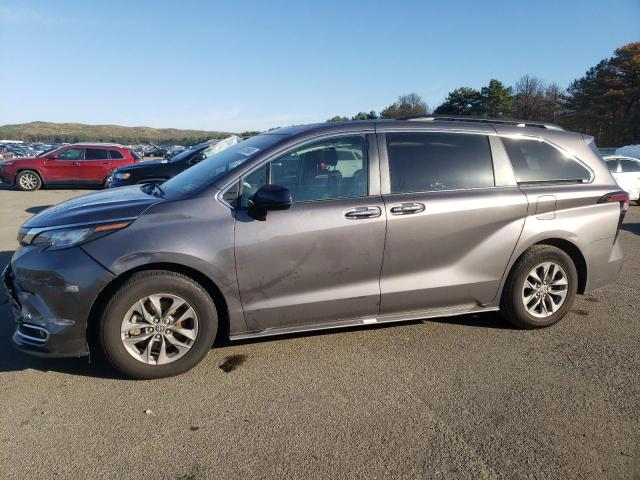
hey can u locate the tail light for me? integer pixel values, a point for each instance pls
(617, 197)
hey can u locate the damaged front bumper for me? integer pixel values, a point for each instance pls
(51, 295)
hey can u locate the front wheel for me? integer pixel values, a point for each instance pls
(540, 289)
(158, 324)
(28, 181)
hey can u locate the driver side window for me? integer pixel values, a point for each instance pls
(326, 170)
(71, 154)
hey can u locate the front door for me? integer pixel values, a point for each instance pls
(320, 260)
(451, 230)
(64, 167)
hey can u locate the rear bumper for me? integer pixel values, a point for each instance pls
(604, 263)
(51, 295)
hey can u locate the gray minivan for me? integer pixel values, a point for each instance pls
(321, 226)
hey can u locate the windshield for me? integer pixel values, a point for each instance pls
(204, 173)
(47, 152)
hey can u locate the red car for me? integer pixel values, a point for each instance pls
(77, 164)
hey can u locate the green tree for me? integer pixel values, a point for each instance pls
(338, 118)
(605, 102)
(410, 105)
(365, 116)
(496, 100)
(461, 101)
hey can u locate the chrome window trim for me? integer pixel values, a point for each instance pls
(304, 142)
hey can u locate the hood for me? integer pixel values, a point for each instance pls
(18, 159)
(141, 165)
(104, 206)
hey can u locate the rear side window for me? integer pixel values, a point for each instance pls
(431, 161)
(630, 166)
(534, 160)
(116, 155)
(96, 154)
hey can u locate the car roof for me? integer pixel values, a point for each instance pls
(441, 122)
(95, 144)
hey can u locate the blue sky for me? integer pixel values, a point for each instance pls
(258, 64)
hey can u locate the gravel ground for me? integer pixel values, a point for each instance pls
(463, 397)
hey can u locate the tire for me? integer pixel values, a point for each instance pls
(513, 305)
(147, 363)
(28, 181)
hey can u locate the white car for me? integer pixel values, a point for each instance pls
(626, 171)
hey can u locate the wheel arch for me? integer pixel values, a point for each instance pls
(567, 247)
(30, 169)
(209, 285)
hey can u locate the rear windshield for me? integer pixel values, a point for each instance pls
(206, 172)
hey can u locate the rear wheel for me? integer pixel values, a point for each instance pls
(540, 289)
(28, 181)
(158, 324)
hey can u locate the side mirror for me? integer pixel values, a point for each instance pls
(53, 156)
(269, 197)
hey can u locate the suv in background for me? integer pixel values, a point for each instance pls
(322, 226)
(77, 164)
(626, 171)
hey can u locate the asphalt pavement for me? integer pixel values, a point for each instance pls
(462, 397)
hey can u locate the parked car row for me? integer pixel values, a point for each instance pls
(10, 149)
(106, 164)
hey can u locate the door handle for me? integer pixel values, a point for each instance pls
(407, 208)
(363, 212)
(77, 164)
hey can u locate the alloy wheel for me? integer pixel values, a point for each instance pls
(28, 181)
(159, 329)
(545, 289)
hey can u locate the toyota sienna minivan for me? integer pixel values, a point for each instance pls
(316, 227)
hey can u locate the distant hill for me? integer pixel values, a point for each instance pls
(78, 132)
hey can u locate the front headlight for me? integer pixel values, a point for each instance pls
(122, 176)
(59, 238)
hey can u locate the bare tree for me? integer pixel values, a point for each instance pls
(530, 98)
(410, 105)
(554, 103)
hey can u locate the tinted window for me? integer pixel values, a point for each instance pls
(71, 154)
(536, 161)
(116, 155)
(96, 154)
(422, 162)
(630, 166)
(329, 169)
(613, 165)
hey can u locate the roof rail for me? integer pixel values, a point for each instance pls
(496, 121)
